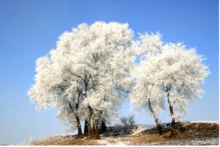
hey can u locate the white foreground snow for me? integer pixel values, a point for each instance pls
(207, 141)
(118, 142)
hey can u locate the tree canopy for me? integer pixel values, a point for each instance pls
(90, 65)
(167, 72)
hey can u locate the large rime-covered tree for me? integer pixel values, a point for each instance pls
(87, 75)
(168, 72)
(112, 59)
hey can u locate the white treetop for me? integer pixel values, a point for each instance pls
(89, 67)
(168, 71)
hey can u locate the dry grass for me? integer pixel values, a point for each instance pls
(183, 136)
(190, 134)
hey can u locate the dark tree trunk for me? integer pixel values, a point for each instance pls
(97, 129)
(103, 126)
(159, 128)
(93, 128)
(86, 127)
(171, 113)
(80, 135)
(89, 123)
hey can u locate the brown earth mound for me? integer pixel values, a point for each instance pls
(198, 130)
(188, 134)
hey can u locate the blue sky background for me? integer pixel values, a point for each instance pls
(29, 29)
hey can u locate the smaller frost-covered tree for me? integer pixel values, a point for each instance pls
(181, 73)
(168, 72)
(146, 93)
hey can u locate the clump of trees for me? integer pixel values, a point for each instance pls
(93, 70)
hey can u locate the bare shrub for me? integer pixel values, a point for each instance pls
(130, 120)
(126, 124)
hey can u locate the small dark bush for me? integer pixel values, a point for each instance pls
(126, 125)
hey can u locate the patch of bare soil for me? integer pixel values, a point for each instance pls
(189, 134)
(197, 133)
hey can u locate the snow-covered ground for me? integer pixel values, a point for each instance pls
(215, 122)
(108, 142)
(207, 141)
(142, 128)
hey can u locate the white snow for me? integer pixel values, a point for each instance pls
(121, 144)
(141, 128)
(216, 122)
(207, 141)
(65, 134)
(107, 142)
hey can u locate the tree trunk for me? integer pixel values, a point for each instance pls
(86, 127)
(159, 128)
(89, 124)
(78, 122)
(171, 114)
(103, 126)
(80, 135)
(97, 129)
(93, 128)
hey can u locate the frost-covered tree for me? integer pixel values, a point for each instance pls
(146, 94)
(55, 87)
(87, 75)
(112, 59)
(167, 72)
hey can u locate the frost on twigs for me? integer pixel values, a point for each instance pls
(92, 72)
(88, 74)
(167, 72)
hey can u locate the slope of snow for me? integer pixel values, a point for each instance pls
(141, 128)
(215, 122)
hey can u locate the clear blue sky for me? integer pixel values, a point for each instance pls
(29, 29)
